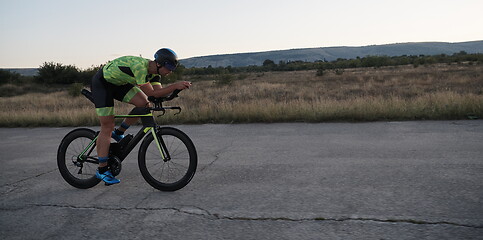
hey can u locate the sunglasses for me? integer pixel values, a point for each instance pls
(170, 67)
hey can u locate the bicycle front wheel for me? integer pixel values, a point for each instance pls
(76, 160)
(173, 167)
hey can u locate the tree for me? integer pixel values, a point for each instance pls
(8, 77)
(269, 65)
(51, 72)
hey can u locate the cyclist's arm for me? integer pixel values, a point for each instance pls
(157, 87)
(159, 91)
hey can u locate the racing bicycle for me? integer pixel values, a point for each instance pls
(167, 157)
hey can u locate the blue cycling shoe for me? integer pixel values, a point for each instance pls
(107, 177)
(116, 137)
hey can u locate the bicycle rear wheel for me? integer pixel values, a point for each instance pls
(78, 168)
(168, 174)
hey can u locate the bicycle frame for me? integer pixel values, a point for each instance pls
(149, 125)
(170, 169)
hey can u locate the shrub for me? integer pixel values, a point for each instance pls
(320, 72)
(224, 79)
(51, 72)
(75, 89)
(8, 77)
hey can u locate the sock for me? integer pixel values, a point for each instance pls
(119, 132)
(103, 169)
(103, 159)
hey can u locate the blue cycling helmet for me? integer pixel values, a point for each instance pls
(166, 58)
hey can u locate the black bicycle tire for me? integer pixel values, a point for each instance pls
(193, 160)
(61, 159)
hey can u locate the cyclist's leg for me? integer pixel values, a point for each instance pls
(104, 140)
(140, 99)
(137, 98)
(102, 93)
(103, 144)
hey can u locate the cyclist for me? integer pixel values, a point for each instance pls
(128, 79)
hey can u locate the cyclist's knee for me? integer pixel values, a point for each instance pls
(107, 128)
(107, 123)
(142, 103)
(140, 100)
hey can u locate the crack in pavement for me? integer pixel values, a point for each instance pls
(217, 155)
(8, 188)
(28, 178)
(197, 211)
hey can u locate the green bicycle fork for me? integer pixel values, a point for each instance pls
(161, 146)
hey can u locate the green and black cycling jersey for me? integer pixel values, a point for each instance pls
(129, 70)
(118, 80)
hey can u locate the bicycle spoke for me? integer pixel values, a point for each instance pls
(173, 173)
(81, 169)
(172, 170)
(76, 169)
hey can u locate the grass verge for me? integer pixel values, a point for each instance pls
(435, 92)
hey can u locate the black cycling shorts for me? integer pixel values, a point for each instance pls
(105, 92)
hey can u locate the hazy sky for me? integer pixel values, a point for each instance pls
(91, 32)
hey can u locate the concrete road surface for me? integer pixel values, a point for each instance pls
(383, 180)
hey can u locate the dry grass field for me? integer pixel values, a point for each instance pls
(432, 92)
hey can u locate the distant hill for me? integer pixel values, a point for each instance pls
(23, 71)
(316, 54)
(333, 53)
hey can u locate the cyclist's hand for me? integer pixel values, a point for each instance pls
(183, 85)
